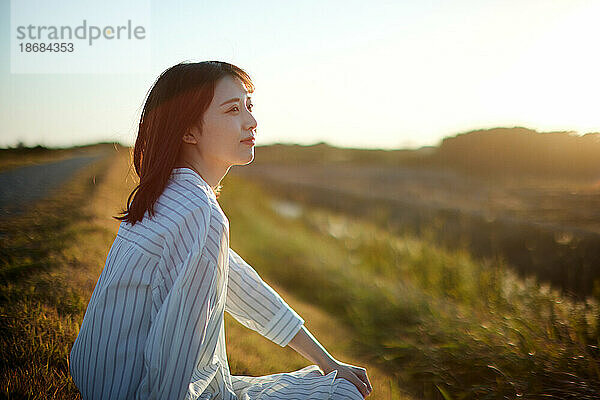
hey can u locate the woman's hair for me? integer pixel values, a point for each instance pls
(175, 103)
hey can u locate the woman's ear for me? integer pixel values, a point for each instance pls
(189, 138)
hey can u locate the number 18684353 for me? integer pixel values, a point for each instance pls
(46, 47)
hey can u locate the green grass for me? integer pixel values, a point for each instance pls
(441, 324)
(447, 325)
(39, 303)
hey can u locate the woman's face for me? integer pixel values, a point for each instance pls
(227, 123)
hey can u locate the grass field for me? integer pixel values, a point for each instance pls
(425, 322)
(448, 326)
(548, 227)
(51, 258)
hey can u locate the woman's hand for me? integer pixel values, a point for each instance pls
(309, 347)
(356, 375)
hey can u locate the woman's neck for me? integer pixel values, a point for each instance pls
(211, 176)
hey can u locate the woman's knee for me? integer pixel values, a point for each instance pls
(343, 389)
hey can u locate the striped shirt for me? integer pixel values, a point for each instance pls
(154, 326)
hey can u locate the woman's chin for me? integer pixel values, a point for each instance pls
(246, 160)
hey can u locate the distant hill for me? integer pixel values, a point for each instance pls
(509, 152)
(323, 153)
(521, 151)
(514, 151)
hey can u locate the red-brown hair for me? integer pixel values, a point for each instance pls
(176, 102)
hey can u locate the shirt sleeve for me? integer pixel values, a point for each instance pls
(257, 306)
(178, 334)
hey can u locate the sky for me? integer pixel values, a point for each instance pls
(379, 74)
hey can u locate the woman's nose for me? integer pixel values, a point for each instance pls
(253, 122)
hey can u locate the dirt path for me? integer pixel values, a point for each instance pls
(20, 187)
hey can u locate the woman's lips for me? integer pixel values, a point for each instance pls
(250, 141)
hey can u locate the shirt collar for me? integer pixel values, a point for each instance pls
(188, 174)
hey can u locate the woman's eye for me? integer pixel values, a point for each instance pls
(237, 109)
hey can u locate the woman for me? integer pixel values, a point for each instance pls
(154, 326)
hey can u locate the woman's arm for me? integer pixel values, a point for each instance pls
(256, 305)
(309, 347)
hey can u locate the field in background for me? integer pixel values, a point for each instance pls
(437, 323)
(546, 226)
(446, 324)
